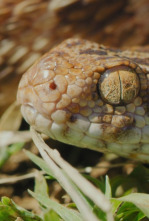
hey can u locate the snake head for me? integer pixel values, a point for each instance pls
(84, 94)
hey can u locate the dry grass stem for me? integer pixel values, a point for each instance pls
(53, 158)
(10, 137)
(15, 179)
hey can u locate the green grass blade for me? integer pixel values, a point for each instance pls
(65, 213)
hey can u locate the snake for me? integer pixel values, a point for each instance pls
(92, 96)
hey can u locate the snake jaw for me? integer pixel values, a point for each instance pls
(61, 95)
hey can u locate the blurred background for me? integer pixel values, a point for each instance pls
(28, 29)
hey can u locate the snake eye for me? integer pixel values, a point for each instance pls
(119, 85)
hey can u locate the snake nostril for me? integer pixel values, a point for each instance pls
(52, 86)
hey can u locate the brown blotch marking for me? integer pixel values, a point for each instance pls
(52, 86)
(61, 53)
(91, 51)
(74, 43)
(116, 50)
(73, 118)
(95, 96)
(113, 134)
(107, 118)
(144, 61)
(124, 132)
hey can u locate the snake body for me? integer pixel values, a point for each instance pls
(90, 96)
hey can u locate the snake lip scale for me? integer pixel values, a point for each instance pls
(91, 96)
